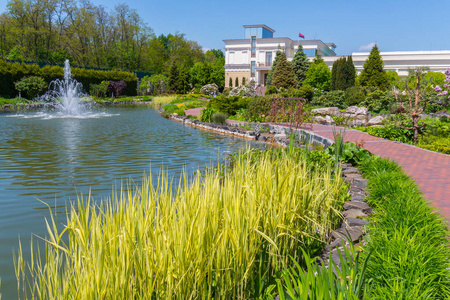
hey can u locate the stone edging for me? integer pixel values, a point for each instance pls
(353, 227)
(278, 134)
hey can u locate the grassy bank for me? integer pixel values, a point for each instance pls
(221, 235)
(407, 239)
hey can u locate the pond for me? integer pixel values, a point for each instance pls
(48, 158)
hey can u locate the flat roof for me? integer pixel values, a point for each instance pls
(406, 52)
(258, 26)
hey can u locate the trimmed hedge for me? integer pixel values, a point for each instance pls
(11, 72)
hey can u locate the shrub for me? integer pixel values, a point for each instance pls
(330, 99)
(243, 91)
(116, 88)
(229, 105)
(209, 89)
(31, 86)
(305, 92)
(154, 84)
(258, 109)
(390, 132)
(206, 114)
(355, 95)
(378, 101)
(271, 89)
(219, 118)
(350, 153)
(170, 107)
(180, 112)
(98, 90)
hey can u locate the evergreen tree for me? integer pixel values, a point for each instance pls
(230, 84)
(184, 79)
(340, 84)
(350, 72)
(284, 75)
(243, 80)
(343, 74)
(318, 74)
(274, 64)
(373, 73)
(300, 64)
(333, 76)
(174, 79)
(236, 83)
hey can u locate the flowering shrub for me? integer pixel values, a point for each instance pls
(445, 89)
(243, 91)
(209, 89)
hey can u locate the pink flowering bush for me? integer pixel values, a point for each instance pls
(445, 89)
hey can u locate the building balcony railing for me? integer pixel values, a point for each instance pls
(264, 64)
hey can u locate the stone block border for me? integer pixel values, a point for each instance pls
(278, 134)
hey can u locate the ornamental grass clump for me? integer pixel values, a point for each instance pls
(407, 238)
(212, 236)
(159, 101)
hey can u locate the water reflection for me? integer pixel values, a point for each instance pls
(53, 159)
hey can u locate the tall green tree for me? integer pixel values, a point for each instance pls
(373, 73)
(343, 74)
(284, 75)
(300, 64)
(349, 73)
(333, 75)
(274, 64)
(173, 81)
(318, 74)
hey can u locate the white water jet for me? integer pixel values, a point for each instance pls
(67, 93)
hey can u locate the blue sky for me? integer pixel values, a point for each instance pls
(394, 25)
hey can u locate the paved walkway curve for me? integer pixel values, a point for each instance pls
(430, 170)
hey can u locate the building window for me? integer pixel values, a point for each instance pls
(253, 68)
(310, 52)
(253, 46)
(268, 59)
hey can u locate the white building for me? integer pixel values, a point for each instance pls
(251, 57)
(401, 61)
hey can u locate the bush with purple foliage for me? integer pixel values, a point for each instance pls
(116, 88)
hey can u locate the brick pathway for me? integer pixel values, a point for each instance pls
(194, 111)
(430, 170)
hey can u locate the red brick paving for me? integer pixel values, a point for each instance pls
(194, 111)
(430, 170)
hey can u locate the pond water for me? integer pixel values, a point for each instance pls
(52, 158)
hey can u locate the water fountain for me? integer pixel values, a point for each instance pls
(67, 93)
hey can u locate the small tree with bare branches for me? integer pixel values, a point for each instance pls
(415, 89)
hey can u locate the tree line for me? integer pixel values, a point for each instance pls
(51, 31)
